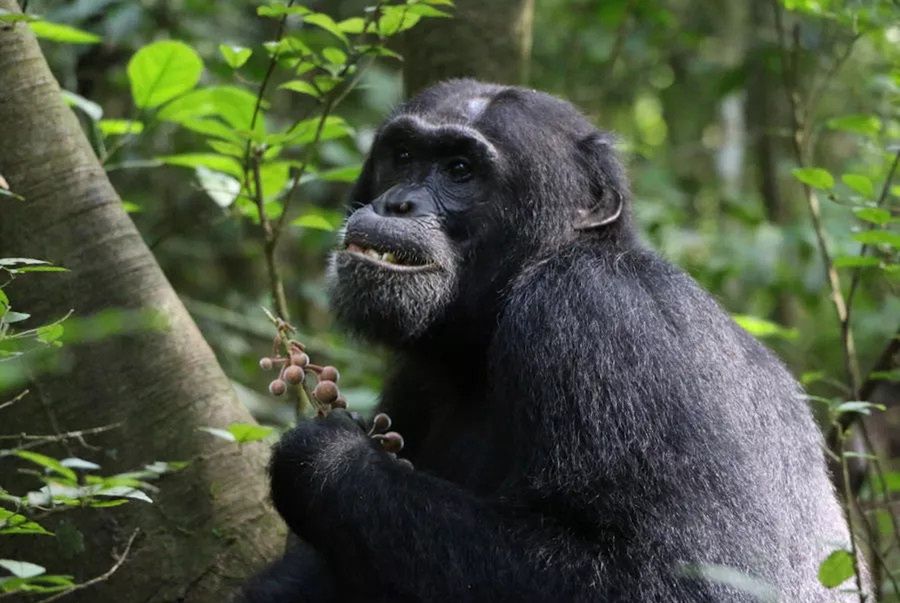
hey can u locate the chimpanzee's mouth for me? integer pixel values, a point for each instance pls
(391, 259)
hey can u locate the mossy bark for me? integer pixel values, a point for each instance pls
(210, 524)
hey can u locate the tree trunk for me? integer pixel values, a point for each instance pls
(485, 40)
(211, 523)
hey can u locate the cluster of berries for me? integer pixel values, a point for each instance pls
(293, 371)
(294, 364)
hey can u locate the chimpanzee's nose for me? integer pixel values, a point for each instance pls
(404, 202)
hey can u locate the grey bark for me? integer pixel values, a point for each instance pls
(210, 524)
(485, 40)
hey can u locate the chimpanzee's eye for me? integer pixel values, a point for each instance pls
(459, 169)
(402, 156)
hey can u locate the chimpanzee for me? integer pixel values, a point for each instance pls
(584, 422)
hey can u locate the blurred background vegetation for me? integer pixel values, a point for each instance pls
(693, 90)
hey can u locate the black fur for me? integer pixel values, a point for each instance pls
(586, 423)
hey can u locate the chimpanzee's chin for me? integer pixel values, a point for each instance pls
(387, 305)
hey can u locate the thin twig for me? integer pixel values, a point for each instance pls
(18, 397)
(120, 559)
(799, 142)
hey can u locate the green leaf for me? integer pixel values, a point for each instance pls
(814, 177)
(233, 105)
(162, 71)
(125, 492)
(56, 32)
(856, 261)
(334, 55)
(836, 569)
(347, 173)
(15, 523)
(280, 9)
(120, 127)
(867, 125)
(22, 569)
(878, 237)
(88, 107)
(859, 183)
(875, 215)
(50, 333)
(305, 131)
(328, 24)
(760, 327)
(221, 188)
(49, 463)
(314, 220)
(301, 86)
(10, 17)
(219, 433)
(395, 19)
(353, 25)
(892, 375)
(219, 163)
(235, 56)
(857, 406)
(249, 432)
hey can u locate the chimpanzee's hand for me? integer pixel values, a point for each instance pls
(310, 463)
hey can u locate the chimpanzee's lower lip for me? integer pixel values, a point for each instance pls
(378, 259)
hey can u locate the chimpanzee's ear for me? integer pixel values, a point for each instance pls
(607, 181)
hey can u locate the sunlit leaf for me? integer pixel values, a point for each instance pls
(57, 32)
(856, 261)
(249, 432)
(859, 183)
(867, 125)
(221, 188)
(301, 86)
(760, 327)
(878, 237)
(49, 463)
(219, 163)
(814, 177)
(22, 569)
(836, 569)
(162, 71)
(235, 56)
(327, 23)
(120, 127)
(875, 215)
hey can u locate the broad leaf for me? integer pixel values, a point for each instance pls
(162, 71)
(814, 177)
(836, 569)
(235, 56)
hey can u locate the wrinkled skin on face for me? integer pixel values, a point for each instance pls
(429, 244)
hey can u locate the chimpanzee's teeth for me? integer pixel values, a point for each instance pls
(388, 257)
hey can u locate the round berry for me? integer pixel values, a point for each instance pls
(277, 387)
(293, 374)
(329, 373)
(265, 363)
(339, 402)
(392, 442)
(381, 423)
(326, 392)
(300, 359)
